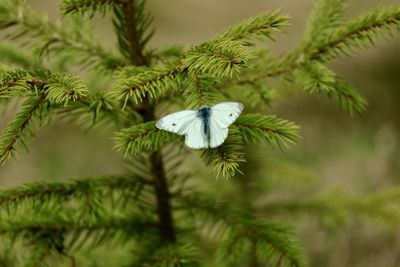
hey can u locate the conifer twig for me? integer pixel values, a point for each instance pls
(67, 190)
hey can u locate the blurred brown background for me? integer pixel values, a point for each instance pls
(355, 154)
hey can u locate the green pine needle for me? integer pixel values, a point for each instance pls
(22, 127)
(225, 160)
(217, 58)
(62, 88)
(14, 83)
(142, 137)
(261, 26)
(88, 6)
(148, 83)
(262, 130)
(361, 32)
(314, 77)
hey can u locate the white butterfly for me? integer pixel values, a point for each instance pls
(203, 128)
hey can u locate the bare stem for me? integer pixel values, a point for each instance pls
(164, 210)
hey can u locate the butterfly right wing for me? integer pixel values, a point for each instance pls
(217, 134)
(186, 123)
(222, 115)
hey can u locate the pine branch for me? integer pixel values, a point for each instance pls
(20, 128)
(359, 33)
(142, 137)
(72, 37)
(225, 160)
(348, 98)
(275, 243)
(14, 83)
(200, 91)
(223, 56)
(217, 58)
(326, 15)
(106, 227)
(314, 77)
(262, 130)
(65, 191)
(335, 208)
(97, 110)
(89, 6)
(148, 83)
(171, 255)
(62, 88)
(260, 26)
(130, 21)
(56, 88)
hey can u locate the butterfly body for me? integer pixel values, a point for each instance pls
(206, 127)
(204, 114)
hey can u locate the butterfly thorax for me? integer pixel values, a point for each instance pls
(204, 114)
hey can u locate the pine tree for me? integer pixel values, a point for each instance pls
(155, 214)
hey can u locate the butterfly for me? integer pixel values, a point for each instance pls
(206, 127)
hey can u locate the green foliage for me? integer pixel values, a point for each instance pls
(72, 37)
(91, 6)
(15, 57)
(358, 33)
(142, 137)
(315, 78)
(275, 243)
(336, 208)
(39, 192)
(54, 88)
(133, 34)
(172, 255)
(260, 26)
(326, 15)
(63, 88)
(200, 91)
(218, 58)
(148, 83)
(33, 112)
(225, 160)
(262, 130)
(13, 82)
(150, 206)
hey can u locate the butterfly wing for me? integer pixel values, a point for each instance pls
(217, 134)
(222, 115)
(186, 123)
(226, 113)
(177, 122)
(195, 136)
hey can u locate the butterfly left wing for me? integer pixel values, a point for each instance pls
(222, 115)
(186, 123)
(177, 122)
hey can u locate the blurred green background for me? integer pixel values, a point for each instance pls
(356, 154)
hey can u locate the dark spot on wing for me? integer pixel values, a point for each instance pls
(174, 124)
(230, 115)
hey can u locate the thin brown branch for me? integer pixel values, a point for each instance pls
(135, 50)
